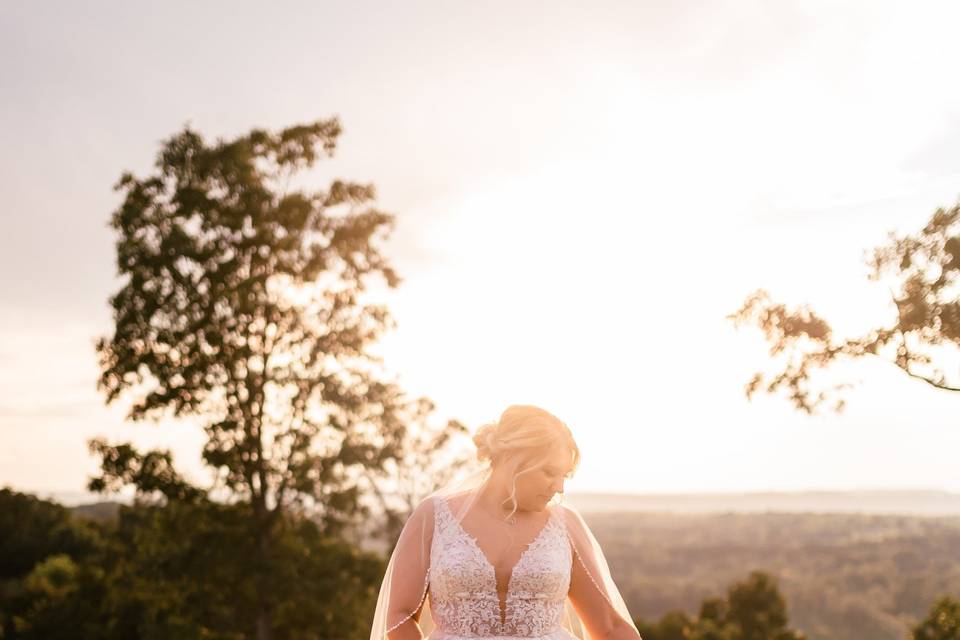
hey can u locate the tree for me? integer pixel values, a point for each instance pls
(757, 610)
(32, 529)
(60, 601)
(712, 623)
(246, 304)
(47, 575)
(171, 571)
(923, 272)
(942, 623)
(674, 625)
(174, 573)
(752, 610)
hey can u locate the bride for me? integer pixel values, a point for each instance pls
(497, 556)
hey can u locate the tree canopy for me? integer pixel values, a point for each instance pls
(921, 336)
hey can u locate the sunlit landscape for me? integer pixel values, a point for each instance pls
(266, 270)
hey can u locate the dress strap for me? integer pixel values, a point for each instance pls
(441, 513)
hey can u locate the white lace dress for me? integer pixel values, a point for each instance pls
(463, 586)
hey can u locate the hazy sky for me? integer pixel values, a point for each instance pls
(583, 192)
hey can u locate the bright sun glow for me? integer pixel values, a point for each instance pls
(581, 200)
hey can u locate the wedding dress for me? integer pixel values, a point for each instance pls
(438, 575)
(463, 586)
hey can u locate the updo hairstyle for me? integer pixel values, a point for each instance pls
(521, 440)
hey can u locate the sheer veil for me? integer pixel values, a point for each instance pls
(404, 593)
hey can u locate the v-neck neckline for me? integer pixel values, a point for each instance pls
(490, 565)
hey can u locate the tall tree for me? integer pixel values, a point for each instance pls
(246, 303)
(922, 336)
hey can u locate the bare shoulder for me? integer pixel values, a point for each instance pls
(420, 521)
(425, 509)
(573, 522)
(569, 515)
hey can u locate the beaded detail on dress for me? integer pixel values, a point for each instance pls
(463, 584)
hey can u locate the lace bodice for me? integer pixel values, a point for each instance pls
(463, 586)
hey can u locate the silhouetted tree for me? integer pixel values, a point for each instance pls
(922, 270)
(246, 304)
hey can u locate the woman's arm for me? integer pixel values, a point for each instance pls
(409, 575)
(592, 591)
(596, 614)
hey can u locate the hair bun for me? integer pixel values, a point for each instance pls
(486, 441)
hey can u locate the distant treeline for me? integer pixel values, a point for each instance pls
(844, 577)
(184, 571)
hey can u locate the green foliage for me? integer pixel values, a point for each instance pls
(942, 623)
(753, 610)
(54, 578)
(186, 571)
(922, 270)
(190, 571)
(674, 625)
(181, 570)
(48, 573)
(151, 473)
(62, 600)
(757, 610)
(329, 589)
(32, 530)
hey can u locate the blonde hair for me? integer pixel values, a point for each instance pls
(524, 434)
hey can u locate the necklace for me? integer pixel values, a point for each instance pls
(512, 520)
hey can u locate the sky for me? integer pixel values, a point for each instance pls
(582, 193)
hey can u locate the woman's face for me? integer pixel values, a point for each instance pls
(537, 487)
